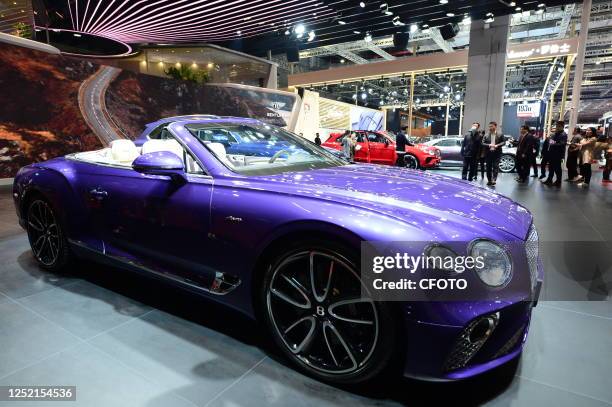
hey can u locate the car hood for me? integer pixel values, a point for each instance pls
(410, 195)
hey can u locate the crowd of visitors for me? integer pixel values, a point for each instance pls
(585, 147)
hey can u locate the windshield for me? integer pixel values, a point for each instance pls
(259, 149)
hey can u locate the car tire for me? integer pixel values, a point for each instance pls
(46, 236)
(410, 161)
(323, 344)
(507, 163)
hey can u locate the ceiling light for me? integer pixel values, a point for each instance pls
(341, 22)
(446, 88)
(598, 63)
(76, 34)
(541, 5)
(311, 36)
(418, 100)
(518, 9)
(540, 11)
(368, 37)
(299, 29)
(441, 95)
(457, 97)
(388, 12)
(362, 4)
(287, 32)
(443, 1)
(489, 20)
(384, 5)
(466, 20)
(238, 32)
(450, 14)
(342, 61)
(381, 103)
(356, 32)
(525, 92)
(512, 3)
(413, 28)
(425, 26)
(506, 93)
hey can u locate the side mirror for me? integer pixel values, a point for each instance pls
(161, 163)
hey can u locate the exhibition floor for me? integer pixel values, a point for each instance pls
(125, 340)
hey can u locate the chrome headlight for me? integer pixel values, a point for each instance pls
(497, 266)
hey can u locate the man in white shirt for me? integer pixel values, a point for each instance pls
(493, 141)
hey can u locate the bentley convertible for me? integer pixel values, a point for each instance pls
(270, 224)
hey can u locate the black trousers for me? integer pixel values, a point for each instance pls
(523, 164)
(607, 169)
(400, 162)
(555, 169)
(533, 164)
(545, 161)
(480, 162)
(572, 165)
(492, 161)
(469, 168)
(585, 171)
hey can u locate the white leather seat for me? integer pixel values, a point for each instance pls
(153, 146)
(123, 151)
(218, 149)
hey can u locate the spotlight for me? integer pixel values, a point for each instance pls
(446, 88)
(311, 36)
(541, 5)
(512, 3)
(518, 9)
(341, 22)
(413, 28)
(362, 4)
(443, 1)
(457, 97)
(342, 61)
(450, 14)
(299, 29)
(364, 95)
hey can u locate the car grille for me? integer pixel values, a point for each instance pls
(532, 252)
(468, 344)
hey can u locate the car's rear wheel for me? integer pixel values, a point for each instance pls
(507, 163)
(411, 161)
(317, 315)
(47, 239)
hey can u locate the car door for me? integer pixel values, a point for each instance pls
(450, 150)
(362, 149)
(154, 221)
(382, 151)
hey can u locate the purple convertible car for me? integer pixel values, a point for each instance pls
(277, 236)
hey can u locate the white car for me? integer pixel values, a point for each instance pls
(450, 150)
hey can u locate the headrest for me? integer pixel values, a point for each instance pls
(123, 151)
(153, 146)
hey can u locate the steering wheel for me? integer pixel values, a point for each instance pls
(276, 155)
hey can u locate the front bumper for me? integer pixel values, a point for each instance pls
(431, 162)
(441, 352)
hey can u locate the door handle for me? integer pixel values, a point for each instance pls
(98, 193)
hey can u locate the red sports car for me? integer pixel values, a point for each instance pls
(378, 147)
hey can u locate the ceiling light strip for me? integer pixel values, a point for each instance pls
(233, 25)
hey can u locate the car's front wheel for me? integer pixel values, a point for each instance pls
(411, 162)
(46, 236)
(507, 163)
(317, 315)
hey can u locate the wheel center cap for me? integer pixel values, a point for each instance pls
(320, 310)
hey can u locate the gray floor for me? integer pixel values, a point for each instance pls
(124, 340)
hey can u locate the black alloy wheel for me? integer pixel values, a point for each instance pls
(411, 162)
(320, 319)
(45, 235)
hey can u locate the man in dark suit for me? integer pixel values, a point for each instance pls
(524, 153)
(493, 141)
(545, 157)
(470, 149)
(400, 147)
(556, 154)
